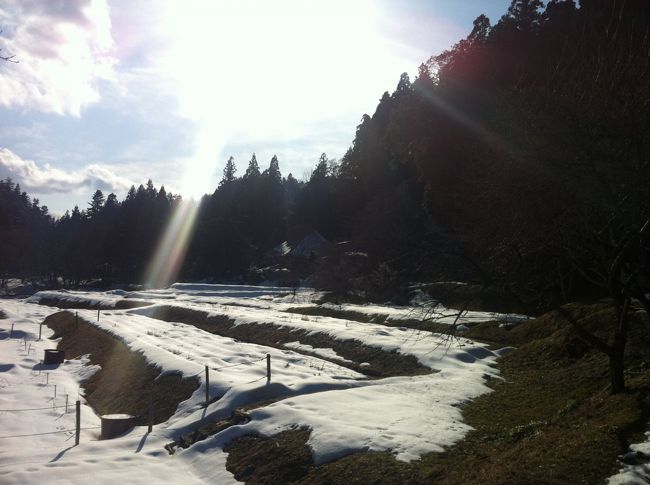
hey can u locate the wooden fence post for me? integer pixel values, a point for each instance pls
(150, 414)
(40, 329)
(268, 368)
(98, 314)
(207, 385)
(78, 406)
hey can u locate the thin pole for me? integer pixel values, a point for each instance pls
(207, 385)
(66, 404)
(98, 314)
(150, 414)
(40, 329)
(268, 368)
(78, 406)
(11, 334)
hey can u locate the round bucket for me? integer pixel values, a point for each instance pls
(114, 425)
(53, 356)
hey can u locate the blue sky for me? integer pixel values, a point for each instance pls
(109, 93)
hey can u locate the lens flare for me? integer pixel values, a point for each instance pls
(170, 254)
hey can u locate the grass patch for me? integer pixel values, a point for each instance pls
(550, 420)
(126, 383)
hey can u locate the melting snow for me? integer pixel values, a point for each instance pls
(345, 411)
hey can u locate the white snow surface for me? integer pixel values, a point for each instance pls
(345, 411)
(327, 353)
(638, 474)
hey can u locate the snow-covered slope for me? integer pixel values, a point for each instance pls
(344, 410)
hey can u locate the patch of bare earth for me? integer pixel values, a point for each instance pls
(92, 305)
(378, 362)
(426, 324)
(126, 383)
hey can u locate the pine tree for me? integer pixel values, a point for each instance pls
(273, 172)
(76, 214)
(253, 169)
(229, 172)
(322, 169)
(111, 202)
(403, 86)
(151, 190)
(524, 15)
(96, 204)
(481, 29)
(131, 194)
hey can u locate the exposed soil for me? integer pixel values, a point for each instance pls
(382, 363)
(126, 383)
(2, 315)
(284, 458)
(89, 305)
(238, 416)
(426, 325)
(551, 420)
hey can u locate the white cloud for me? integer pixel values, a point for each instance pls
(48, 179)
(63, 50)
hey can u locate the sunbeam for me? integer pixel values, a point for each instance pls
(170, 254)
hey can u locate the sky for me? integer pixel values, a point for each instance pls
(111, 93)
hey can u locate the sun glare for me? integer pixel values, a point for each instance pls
(249, 67)
(246, 67)
(170, 253)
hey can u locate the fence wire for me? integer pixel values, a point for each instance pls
(31, 409)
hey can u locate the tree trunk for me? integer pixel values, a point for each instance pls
(616, 371)
(617, 353)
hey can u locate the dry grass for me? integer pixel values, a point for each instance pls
(285, 458)
(126, 383)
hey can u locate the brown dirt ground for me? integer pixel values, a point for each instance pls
(119, 305)
(429, 326)
(126, 383)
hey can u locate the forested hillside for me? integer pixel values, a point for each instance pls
(518, 159)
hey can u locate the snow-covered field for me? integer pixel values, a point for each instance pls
(344, 410)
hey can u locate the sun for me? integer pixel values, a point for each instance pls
(245, 66)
